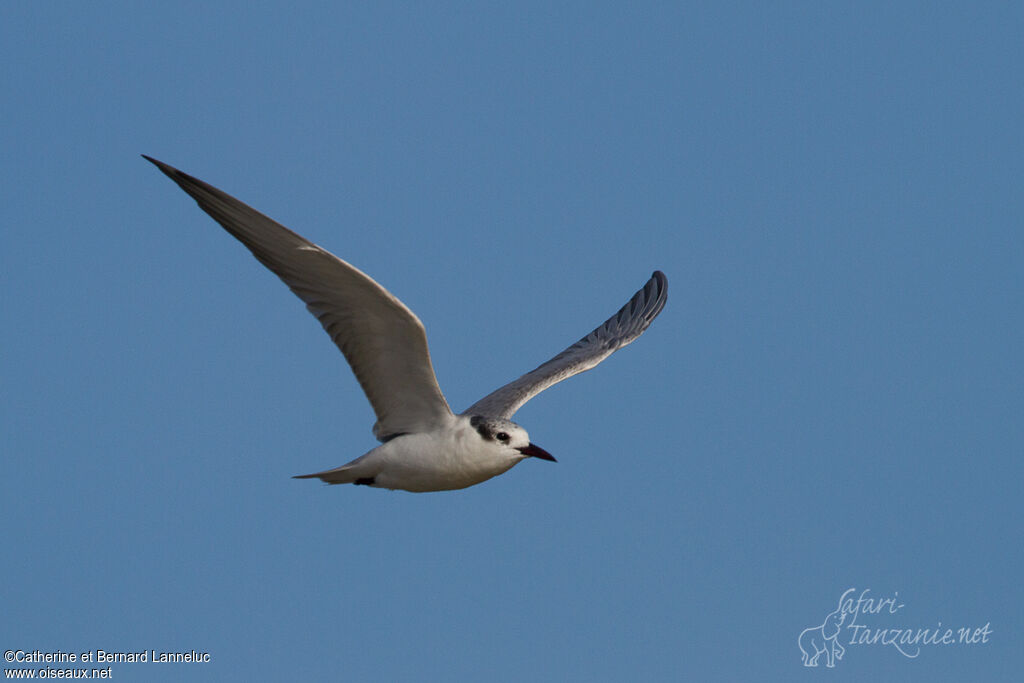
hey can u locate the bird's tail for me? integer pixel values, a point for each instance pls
(339, 475)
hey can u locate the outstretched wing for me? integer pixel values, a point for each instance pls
(619, 330)
(383, 341)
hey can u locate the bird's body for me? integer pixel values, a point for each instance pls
(453, 456)
(426, 447)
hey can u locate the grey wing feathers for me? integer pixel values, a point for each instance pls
(383, 341)
(616, 332)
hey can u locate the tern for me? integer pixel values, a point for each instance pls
(424, 445)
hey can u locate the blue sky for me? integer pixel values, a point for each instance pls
(831, 399)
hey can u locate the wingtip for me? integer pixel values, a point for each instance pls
(184, 180)
(166, 168)
(657, 288)
(662, 282)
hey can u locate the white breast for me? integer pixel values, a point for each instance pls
(439, 460)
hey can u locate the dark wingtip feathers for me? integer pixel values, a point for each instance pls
(633, 318)
(658, 286)
(169, 171)
(156, 162)
(179, 177)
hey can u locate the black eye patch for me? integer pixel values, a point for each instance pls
(481, 427)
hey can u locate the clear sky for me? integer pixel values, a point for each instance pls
(831, 399)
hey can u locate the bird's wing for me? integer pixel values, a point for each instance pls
(383, 341)
(619, 330)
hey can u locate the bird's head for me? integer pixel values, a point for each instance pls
(509, 436)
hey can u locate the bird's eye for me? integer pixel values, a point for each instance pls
(501, 436)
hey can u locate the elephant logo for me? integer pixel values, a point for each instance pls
(823, 639)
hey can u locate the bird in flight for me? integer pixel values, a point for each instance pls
(424, 445)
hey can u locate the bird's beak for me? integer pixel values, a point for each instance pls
(536, 452)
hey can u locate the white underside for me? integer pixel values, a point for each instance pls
(452, 457)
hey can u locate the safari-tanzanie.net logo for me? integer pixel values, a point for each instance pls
(864, 620)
